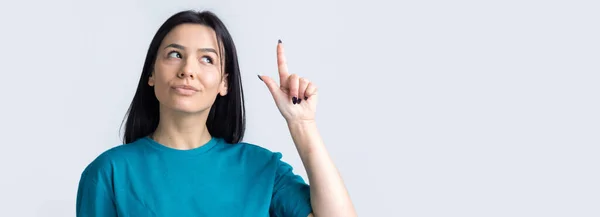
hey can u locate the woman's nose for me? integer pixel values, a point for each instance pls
(189, 70)
(186, 74)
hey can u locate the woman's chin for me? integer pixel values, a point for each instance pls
(186, 108)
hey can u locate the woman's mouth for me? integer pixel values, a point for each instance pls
(185, 90)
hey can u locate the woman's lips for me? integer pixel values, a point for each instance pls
(185, 90)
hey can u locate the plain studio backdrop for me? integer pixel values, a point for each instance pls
(428, 108)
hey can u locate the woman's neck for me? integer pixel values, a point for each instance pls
(182, 131)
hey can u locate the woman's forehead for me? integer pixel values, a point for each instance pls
(194, 36)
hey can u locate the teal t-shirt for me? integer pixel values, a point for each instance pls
(145, 178)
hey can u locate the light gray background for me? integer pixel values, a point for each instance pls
(428, 108)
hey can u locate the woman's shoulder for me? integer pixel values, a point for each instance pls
(106, 161)
(254, 151)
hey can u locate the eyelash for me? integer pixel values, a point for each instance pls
(210, 59)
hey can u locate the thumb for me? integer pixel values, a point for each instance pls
(271, 84)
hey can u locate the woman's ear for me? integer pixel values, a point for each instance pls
(224, 85)
(151, 79)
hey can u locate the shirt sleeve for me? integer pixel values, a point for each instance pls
(291, 195)
(93, 198)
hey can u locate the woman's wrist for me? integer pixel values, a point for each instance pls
(306, 137)
(292, 124)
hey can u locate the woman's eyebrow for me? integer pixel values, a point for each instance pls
(181, 47)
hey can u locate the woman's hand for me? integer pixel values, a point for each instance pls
(295, 97)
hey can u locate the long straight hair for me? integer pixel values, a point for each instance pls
(226, 118)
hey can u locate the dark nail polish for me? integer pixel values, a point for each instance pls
(305, 98)
(279, 41)
(259, 77)
(299, 100)
(294, 100)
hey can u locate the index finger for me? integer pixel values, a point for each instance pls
(282, 65)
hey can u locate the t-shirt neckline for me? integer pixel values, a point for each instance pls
(195, 151)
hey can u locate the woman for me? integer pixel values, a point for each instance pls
(183, 154)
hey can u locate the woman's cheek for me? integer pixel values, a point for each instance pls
(212, 76)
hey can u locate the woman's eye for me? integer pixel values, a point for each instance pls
(207, 59)
(174, 54)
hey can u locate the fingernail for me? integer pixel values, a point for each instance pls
(279, 41)
(294, 100)
(299, 100)
(305, 98)
(259, 77)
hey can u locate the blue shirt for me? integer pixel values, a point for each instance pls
(145, 178)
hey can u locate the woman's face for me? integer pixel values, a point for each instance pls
(187, 72)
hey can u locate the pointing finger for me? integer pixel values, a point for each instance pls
(282, 65)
